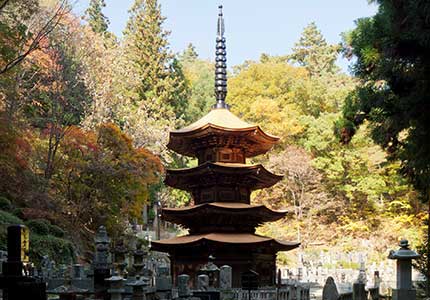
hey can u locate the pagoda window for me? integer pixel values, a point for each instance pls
(225, 155)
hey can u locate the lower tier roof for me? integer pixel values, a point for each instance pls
(253, 241)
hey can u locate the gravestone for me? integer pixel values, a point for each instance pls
(203, 282)
(330, 290)
(183, 288)
(16, 285)
(225, 277)
(101, 263)
(359, 287)
(163, 281)
(78, 271)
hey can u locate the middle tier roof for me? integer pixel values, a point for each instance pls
(226, 214)
(253, 177)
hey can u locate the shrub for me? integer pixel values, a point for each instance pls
(5, 204)
(18, 213)
(38, 226)
(56, 231)
(59, 250)
(9, 219)
(6, 219)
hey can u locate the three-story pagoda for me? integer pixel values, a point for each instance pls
(222, 221)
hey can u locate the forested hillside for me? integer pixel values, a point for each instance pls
(85, 118)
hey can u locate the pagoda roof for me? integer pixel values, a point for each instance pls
(246, 239)
(221, 121)
(253, 176)
(226, 212)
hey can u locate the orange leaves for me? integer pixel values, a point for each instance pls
(79, 139)
(103, 175)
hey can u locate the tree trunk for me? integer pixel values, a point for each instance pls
(428, 247)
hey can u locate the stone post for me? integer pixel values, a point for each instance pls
(404, 256)
(183, 289)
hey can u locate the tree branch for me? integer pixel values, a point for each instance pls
(3, 3)
(42, 34)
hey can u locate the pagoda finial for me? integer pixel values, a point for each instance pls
(220, 64)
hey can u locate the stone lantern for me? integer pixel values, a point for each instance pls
(404, 257)
(116, 287)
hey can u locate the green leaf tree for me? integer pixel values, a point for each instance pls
(200, 77)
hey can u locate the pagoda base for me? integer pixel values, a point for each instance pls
(241, 251)
(191, 260)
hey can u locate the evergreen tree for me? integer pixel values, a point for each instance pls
(96, 19)
(393, 61)
(313, 52)
(189, 55)
(161, 87)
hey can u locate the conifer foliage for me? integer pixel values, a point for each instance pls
(96, 19)
(314, 53)
(161, 87)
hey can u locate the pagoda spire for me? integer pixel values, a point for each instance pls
(220, 64)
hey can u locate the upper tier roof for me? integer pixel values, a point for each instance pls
(220, 121)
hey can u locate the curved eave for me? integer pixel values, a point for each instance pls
(188, 179)
(182, 141)
(187, 215)
(222, 239)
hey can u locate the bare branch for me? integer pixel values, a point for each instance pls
(3, 3)
(40, 36)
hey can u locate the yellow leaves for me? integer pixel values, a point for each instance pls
(265, 94)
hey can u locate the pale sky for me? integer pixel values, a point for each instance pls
(252, 27)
